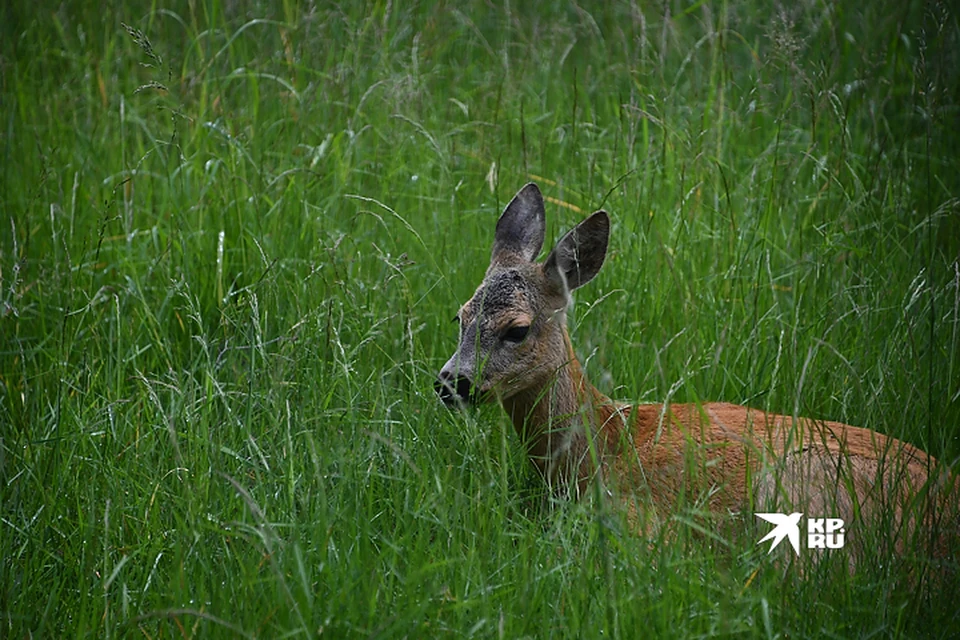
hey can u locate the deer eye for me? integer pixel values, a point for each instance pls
(515, 334)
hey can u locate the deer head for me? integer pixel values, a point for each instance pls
(513, 330)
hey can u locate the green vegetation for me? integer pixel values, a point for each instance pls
(234, 235)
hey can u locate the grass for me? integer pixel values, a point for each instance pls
(235, 233)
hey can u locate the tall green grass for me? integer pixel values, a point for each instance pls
(235, 233)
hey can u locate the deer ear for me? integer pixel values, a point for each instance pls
(578, 256)
(521, 227)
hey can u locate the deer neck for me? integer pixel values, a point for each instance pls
(556, 418)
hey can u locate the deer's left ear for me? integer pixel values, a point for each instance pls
(578, 256)
(521, 227)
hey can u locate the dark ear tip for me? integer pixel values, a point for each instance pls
(601, 219)
(530, 188)
(530, 194)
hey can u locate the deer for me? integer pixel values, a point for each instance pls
(515, 347)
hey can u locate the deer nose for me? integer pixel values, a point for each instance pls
(452, 390)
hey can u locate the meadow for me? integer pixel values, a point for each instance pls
(234, 235)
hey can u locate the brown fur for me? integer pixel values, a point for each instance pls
(735, 458)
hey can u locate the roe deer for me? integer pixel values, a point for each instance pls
(514, 346)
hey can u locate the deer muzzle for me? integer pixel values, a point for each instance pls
(454, 390)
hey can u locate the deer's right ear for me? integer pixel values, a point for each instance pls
(521, 227)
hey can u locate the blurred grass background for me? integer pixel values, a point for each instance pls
(234, 234)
